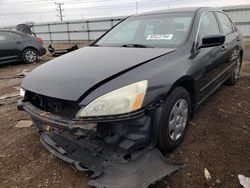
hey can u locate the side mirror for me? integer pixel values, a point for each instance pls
(212, 40)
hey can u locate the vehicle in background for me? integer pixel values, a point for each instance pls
(18, 46)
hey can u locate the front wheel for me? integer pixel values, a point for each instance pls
(29, 55)
(174, 119)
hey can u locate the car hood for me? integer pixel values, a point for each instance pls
(68, 77)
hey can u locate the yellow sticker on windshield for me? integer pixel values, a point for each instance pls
(160, 37)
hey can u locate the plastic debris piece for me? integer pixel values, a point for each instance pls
(207, 175)
(9, 95)
(244, 181)
(25, 72)
(24, 124)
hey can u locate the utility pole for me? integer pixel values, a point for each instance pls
(60, 10)
(136, 7)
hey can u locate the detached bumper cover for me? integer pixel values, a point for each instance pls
(127, 158)
(142, 172)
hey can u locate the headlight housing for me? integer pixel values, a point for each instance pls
(22, 92)
(120, 101)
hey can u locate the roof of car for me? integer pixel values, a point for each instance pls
(186, 9)
(8, 30)
(4, 30)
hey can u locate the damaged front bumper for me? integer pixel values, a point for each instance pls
(120, 153)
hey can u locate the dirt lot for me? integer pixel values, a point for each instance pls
(218, 139)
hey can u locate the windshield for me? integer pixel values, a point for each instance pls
(159, 30)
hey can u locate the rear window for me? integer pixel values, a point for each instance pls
(6, 36)
(159, 30)
(18, 36)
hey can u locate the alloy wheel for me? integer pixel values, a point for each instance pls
(31, 56)
(178, 119)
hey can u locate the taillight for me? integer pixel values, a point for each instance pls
(39, 40)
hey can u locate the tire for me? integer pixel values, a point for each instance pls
(29, 55)
(235, 74)
(168, 136)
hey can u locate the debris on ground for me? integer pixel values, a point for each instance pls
(10, 95)
(25, 72)
(218, 181)
(244, 181)
(24, 124)
(20, 75)
(58, 52)
(17, 88)
(207, 175)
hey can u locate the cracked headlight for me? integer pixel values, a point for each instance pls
(126, 99)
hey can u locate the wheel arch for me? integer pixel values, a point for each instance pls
(189, 84)
(31, 47)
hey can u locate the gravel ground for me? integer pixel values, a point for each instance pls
(217, 139)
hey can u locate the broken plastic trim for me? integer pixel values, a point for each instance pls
(58, 52)
(141, 169)
(142, 172)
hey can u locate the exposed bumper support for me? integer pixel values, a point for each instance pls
(142, 172)
(125, 158)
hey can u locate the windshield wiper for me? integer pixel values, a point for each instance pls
(136, 46)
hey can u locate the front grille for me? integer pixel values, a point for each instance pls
(65, 108)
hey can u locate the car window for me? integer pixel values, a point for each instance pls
(6, 36)
(226, 25)
(208, 25)
(159, 30)
(127, 34)
(17, 36)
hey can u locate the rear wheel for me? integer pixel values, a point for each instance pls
(235, 74)
(29, 55)
(174, 119)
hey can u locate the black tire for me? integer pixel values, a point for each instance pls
(29, 55)
(235, 73)
(165, 142)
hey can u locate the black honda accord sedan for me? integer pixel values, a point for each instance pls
(134, 88)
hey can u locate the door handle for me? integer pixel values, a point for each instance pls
(18, 42)
(223, 49)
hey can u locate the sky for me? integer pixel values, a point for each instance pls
(13, 12)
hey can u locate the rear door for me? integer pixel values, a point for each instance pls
(230, 45)
(8, 47)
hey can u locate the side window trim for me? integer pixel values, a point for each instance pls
(233, 27)
(232, 23)
(13, 36)
(199, 25)
(218, 22)
(16, 34)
